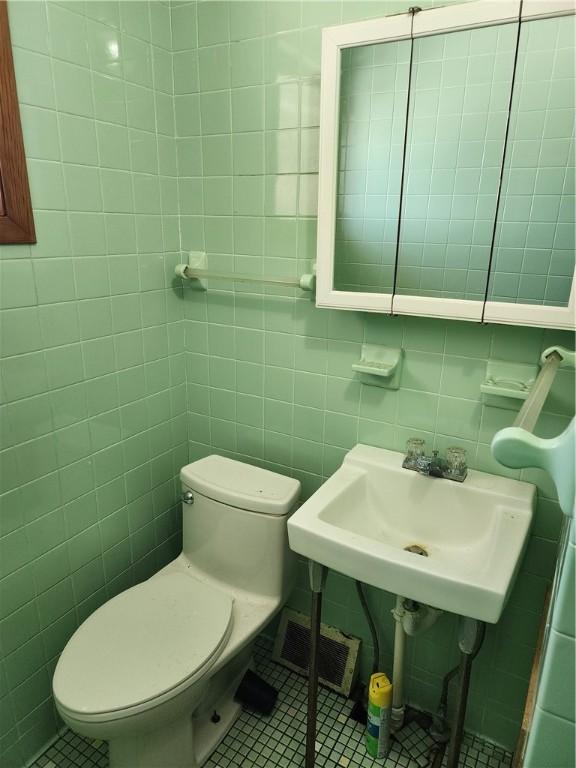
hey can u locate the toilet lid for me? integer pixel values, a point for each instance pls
(142, 643)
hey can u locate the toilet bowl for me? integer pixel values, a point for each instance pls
(154, 670)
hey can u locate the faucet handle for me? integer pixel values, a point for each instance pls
(414, 452)
(456, 466)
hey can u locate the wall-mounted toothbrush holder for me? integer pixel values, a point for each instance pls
(507, 385)
(380, 366)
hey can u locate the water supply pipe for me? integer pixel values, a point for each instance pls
(371, 626)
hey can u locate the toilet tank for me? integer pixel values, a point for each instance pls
(234, 529)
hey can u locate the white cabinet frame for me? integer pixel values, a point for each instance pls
(334, 39)
(480, 13)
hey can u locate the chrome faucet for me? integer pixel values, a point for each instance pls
(434, 465)
(437, 466)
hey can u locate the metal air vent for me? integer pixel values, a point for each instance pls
(338, 653)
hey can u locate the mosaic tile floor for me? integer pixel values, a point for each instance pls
(278, 741)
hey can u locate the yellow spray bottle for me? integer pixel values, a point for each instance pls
(379, 711)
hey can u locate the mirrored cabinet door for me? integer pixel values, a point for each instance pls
(459, 99)
(373, 98)
(533, 261)
(363, 104)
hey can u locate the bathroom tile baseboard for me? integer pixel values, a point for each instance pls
(278, 741)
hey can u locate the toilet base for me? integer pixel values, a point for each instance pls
(207, 734)
(189, 741)
(186, 743)
(169, 747)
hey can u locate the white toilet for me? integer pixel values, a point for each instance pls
(154, 670)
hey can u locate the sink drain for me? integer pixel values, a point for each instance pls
(417, 550)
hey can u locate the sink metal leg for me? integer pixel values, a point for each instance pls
(470, 637)
(317, 575)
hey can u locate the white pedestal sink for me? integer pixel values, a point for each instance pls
(363, 518)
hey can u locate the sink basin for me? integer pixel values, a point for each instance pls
(363, 518)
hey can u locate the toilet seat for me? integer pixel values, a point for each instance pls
(142, 647)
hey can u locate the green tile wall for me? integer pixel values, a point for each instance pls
(269, 375)
(552, 736)
(92, 369)
(149, 129)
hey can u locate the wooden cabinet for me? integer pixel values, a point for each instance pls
(16, 219)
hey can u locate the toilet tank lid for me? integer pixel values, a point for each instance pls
(241, 485)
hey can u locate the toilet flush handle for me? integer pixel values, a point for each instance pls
(188, 497)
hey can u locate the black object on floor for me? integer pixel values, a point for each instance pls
(358, 713)
(359, 696)
(256, 694)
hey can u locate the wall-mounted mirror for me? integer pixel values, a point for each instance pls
(447, 164)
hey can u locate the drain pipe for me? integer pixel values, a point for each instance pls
(412, 619)
(398, 706)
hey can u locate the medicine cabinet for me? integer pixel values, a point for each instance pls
(447, 164)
